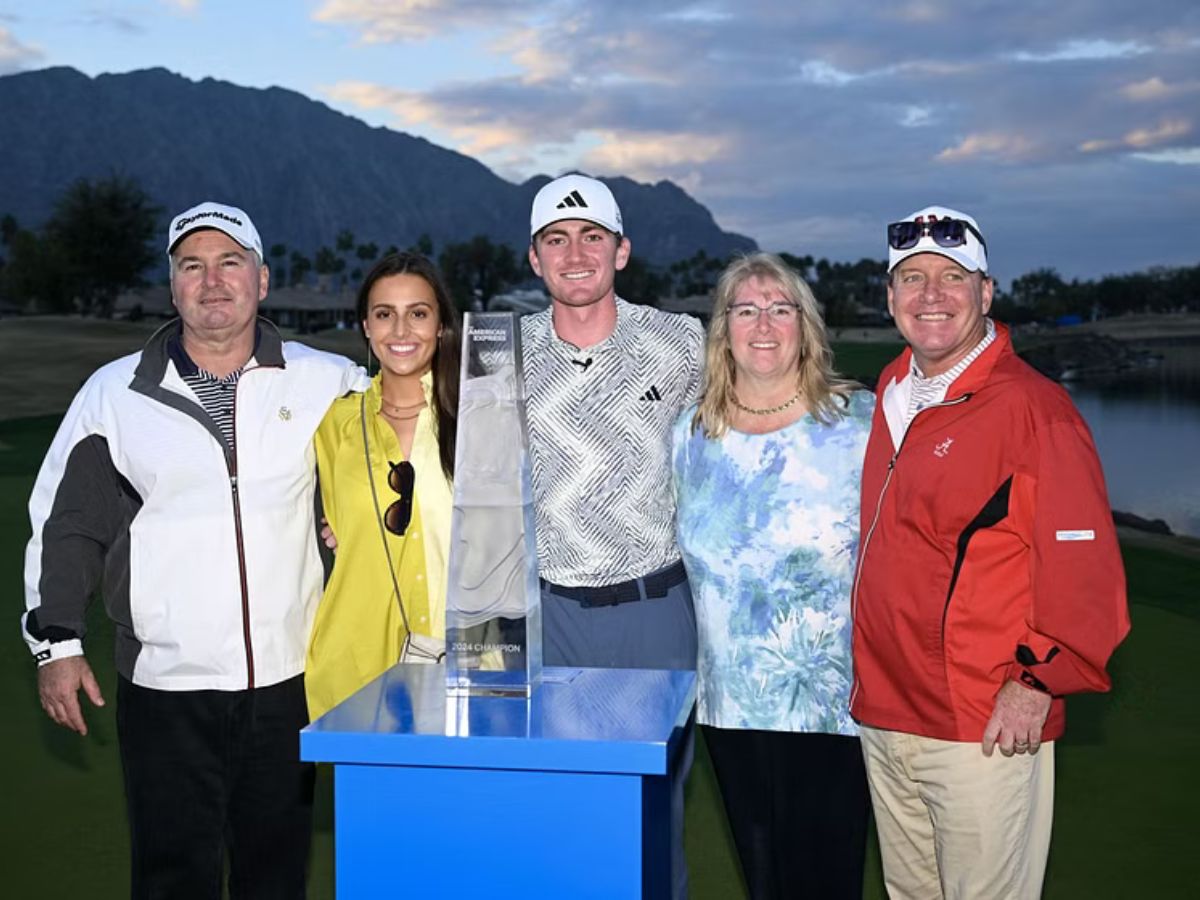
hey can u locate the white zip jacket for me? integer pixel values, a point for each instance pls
(207, 560)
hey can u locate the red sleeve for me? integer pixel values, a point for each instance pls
(1078, 612)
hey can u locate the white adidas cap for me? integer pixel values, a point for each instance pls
(575, 197)
(229, 219)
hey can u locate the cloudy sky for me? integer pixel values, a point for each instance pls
(1070, 129)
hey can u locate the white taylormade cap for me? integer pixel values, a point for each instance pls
(941, 230)
(229, 219)
(575, 197)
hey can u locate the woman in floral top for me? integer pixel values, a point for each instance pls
(767, 471)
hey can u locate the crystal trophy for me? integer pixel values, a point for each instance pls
(493, 604)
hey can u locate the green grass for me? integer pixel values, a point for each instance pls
(1127, 773)
(864, 360)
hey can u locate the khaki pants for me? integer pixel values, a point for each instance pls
(956, 824)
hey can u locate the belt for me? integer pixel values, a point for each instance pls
(656, 584)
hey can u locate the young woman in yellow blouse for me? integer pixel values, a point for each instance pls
(386, 459)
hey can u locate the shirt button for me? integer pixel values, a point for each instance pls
(416, 534)
(420, 577)
(422, 619)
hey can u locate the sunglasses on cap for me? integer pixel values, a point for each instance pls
(945, 233)
(401, 479)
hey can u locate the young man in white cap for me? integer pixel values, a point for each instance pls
(989, 581)
(605, 381)
(181, 484)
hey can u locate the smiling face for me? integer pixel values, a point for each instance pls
(764, 332)
(402, 324)
(216, 285)
(578, 261)
(939, 308)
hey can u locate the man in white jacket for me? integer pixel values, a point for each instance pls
(181, 485)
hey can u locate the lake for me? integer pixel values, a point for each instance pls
(1147, 429)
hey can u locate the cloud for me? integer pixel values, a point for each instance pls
(14, 55)
(994, 146)
(471, 129)
(916, 116)
(183, 6)
(822, 73)
(917, 12)
(649, 156)
(1180, 156)
(111, 20)
(711, 12)
(405, 105)
(1141, 138)
(415, 20)
(1155, 88)
(1075, 50)
(806, 129)
(1160, 134)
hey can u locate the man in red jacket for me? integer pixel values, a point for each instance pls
(989, 581)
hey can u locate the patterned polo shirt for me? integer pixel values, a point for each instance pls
(600, 424)
(217, 395)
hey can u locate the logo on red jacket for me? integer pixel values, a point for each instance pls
(942, 450)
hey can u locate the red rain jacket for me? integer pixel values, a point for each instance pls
(988, 553)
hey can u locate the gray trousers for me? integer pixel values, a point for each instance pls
(652, 633)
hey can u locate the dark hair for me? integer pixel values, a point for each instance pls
(449, 345)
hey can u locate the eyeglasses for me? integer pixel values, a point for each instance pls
(945, 233)
(748, 313)
(401, 479)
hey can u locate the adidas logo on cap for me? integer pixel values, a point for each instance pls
(573, 200)
(575, 197)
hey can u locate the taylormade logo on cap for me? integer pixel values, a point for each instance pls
(575, 197)
(228, 219)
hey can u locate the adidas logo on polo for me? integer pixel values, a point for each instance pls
(652, 394)
(573, 200)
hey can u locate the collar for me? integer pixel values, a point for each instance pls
(970, 379)
(617, 338)
(374, 393)
(166, 345)
(948, 377)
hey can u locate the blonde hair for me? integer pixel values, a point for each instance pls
(826, 393)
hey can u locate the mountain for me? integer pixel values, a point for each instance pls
(303, 171)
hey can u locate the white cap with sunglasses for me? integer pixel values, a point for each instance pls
(941, 230)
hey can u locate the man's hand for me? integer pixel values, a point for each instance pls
(1017, 720)
(59, 683)
(327, 535)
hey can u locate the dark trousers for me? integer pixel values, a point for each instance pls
(798, 806)
(210, 771)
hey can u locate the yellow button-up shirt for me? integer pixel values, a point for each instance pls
(359, 632)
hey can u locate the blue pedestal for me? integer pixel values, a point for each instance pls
(564, 795)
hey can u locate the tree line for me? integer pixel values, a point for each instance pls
(103, 236)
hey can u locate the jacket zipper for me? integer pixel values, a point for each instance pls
(232, 465)
(862, 552)
(241, 555)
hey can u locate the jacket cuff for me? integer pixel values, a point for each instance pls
(1028, 667)
(47, 652)
(1025, 677)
